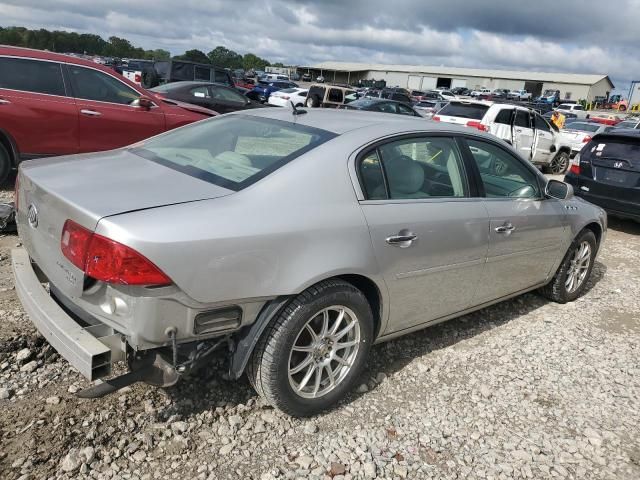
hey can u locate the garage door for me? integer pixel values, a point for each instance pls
(414, 82)
(428, 83)
(458, 82)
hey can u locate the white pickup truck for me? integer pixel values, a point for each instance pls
(519, 95)
(575, 108)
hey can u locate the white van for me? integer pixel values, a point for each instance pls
(273, 77)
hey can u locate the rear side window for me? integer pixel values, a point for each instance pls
(182, 71)
(202, 73)
(31, 76)
(221, 76)
(474, 111)
(504, 116)
(522, 119)
(414, 168)
(232, 152)
(541, 124)
(335, 95)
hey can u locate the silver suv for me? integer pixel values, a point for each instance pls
(530, 134)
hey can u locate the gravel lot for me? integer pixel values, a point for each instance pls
(523, 389)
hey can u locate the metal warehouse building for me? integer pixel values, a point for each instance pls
(572, 86)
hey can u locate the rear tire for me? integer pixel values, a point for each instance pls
(150, 78)
(5, 164)
(304, 342)
(313, 101)
(560, 289)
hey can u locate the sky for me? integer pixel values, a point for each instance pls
(577, 36)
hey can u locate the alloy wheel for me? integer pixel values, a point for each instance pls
(559, 164)
(324, 351)
(578, 267)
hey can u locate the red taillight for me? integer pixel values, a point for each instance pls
(586, 139)
(436, 118)
(138, 78)
(476, 124)
(574, 166)
(107, 260)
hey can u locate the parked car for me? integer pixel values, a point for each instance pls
(306, 77)
(606, 172)
(416, 95)
(550, 96)
(264, 89)
(396, 232)
(275, 77)
(284, 98)
(605, 119)
(320, 79)
(460, 91)
(181, 70)
(427, 108)
(321, 95)
(579, 133)
(382, 105)
(445, 94)
(132, 69)
(633, 122)
(575, 108)
(522, 127)
(521, 95)
(216, 97)
(481, 92)
(500, 94)
(244, 83)
(53, 104)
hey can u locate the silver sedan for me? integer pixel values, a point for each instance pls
(294, 239)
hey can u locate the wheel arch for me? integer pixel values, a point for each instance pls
(12, 147)
(596, 228)
(246, 339)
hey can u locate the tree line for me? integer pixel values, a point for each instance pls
(91, 44)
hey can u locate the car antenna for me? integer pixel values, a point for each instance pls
(295, 110)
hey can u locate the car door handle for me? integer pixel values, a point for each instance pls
(90, 113)
(519, 130)
(403, 239)
(4, 102)
(506, 228)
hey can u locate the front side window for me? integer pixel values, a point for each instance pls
(503, 175)
(404, 110)
(90, 84)
(232, 152)
(31, 76)
(416, 168)
(541, 124)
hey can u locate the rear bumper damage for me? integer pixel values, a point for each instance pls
(91, 349)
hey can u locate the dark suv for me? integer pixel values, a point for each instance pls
(181, 70)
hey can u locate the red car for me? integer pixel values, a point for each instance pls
(605, 119)
(52, 104)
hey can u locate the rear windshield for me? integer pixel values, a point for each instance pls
(614, 149)
(465, 110)
(232, 152)
(584, 127)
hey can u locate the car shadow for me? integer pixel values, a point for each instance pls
(209, 389)
(624, 226)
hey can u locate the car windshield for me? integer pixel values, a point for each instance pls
(363, 103)
(289, 90)
(627, 124)
(233, 151)
(465, 110)
(584, 127)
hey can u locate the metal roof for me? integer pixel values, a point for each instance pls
(574, 78)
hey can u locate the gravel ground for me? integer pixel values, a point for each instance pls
(523, 389)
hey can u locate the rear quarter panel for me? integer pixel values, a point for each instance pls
(295, 227)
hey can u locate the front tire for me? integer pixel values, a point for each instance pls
(573, 273)
(315, 350)
(559, 164)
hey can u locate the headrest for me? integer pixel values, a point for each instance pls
(405, 175)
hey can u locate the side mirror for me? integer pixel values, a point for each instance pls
(559, 190)
(145, 103)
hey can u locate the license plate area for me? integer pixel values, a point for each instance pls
(618, 178)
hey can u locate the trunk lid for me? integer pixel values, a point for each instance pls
(85, 189)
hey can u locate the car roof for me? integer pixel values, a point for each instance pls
(618, 133)
(341, 121)
(46, 55)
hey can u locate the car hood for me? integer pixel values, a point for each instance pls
(98, 185)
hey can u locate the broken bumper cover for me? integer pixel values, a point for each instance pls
(90, 349)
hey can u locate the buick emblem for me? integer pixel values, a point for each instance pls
(32, 215)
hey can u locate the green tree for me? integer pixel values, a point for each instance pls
(194, 55)
(251, 61)
(224, 57)
(160, 54)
